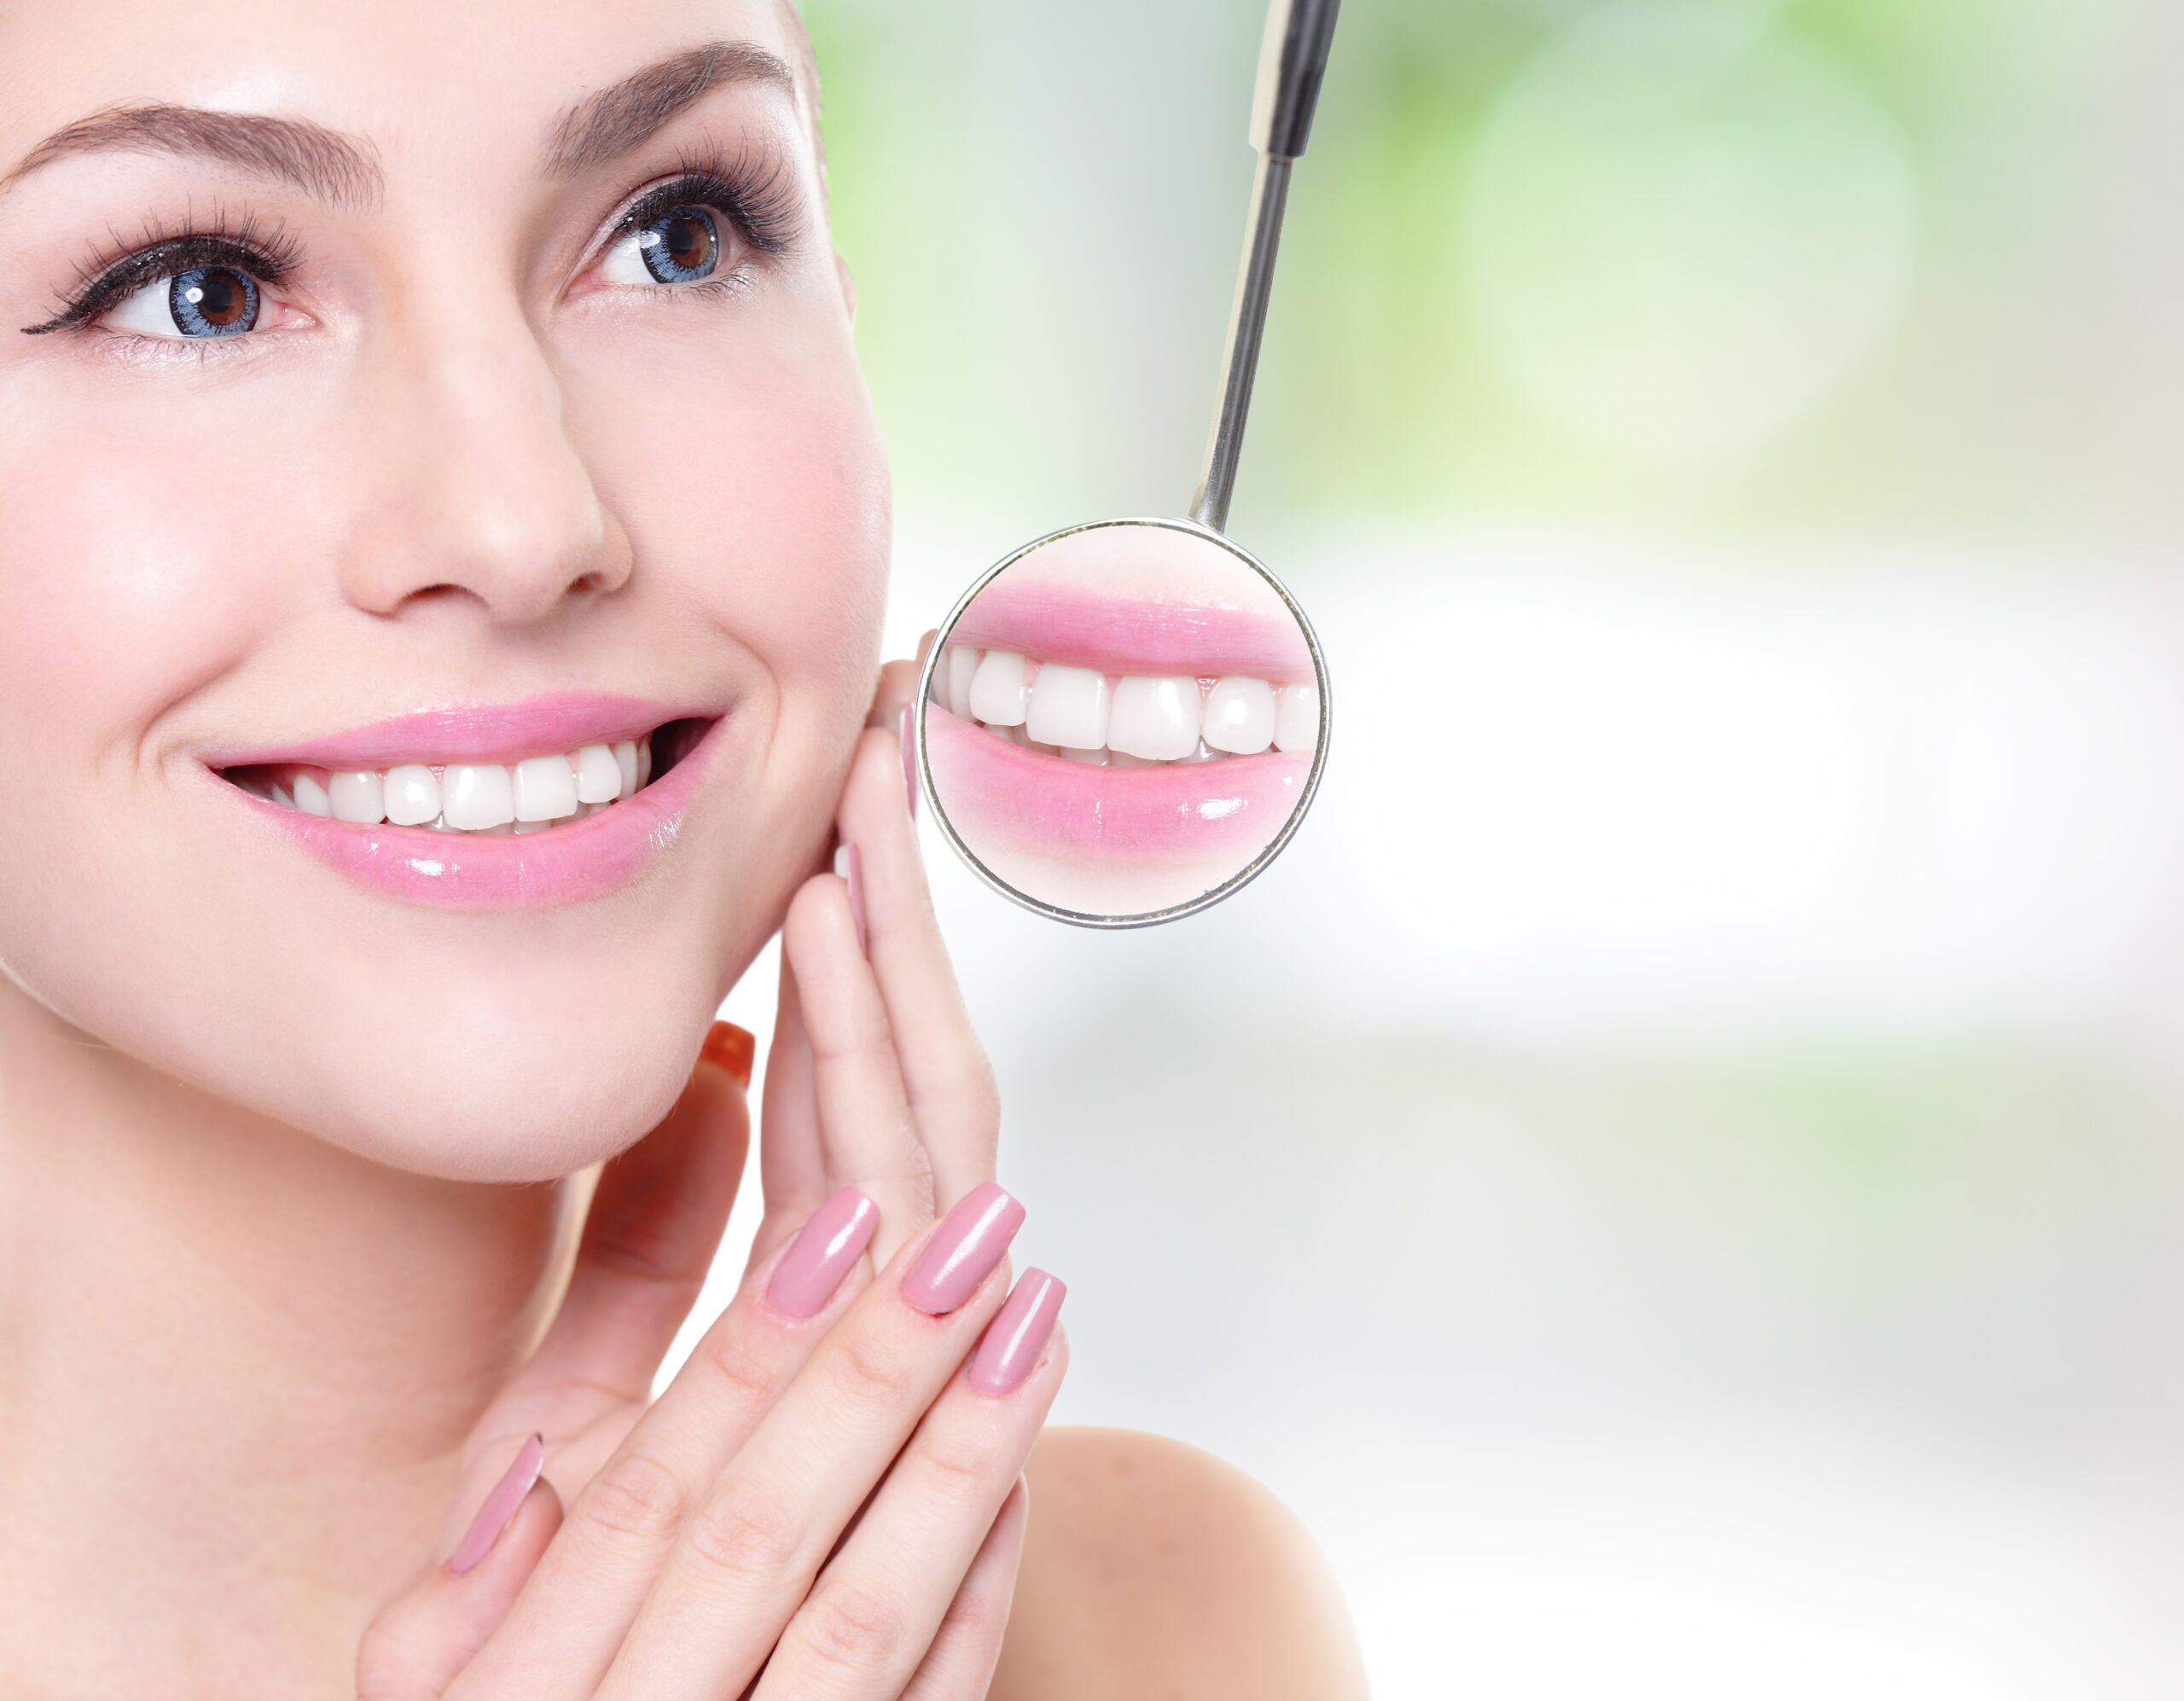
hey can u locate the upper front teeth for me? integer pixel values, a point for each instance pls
(474, 797)
(1091, 717)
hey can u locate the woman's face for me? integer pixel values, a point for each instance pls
(402, 406)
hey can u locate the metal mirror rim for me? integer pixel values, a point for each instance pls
(1206, 900)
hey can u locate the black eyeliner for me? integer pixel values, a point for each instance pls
(758, 197)
(267, 259)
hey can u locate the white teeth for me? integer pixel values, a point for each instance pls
(963, 662)
(474, 798)
(530, 796)
(545, 789)
(1133, 721)
(1155, 718)
(999, 693)
(1240, 716)
(413, 796)
(1069, 707)
(358, 797)
(310, 796)
(599, 775)
(1297, 718)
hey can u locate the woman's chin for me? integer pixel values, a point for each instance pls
(524, 1118)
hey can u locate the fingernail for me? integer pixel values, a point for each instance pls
(1014, 1339)
(822, 1254)
(965, 1250)
(500, 1508)
(730, 1048)
(851, 866)
(906, 728)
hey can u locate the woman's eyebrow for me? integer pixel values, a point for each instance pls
(319, 161)
(609, 124)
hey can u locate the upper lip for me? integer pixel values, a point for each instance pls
(1081, 628)
(478, 732)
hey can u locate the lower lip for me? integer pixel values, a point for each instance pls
(997, 793)
(588, 859)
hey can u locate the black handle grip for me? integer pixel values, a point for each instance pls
(1292, 59)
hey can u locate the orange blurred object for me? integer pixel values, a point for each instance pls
(730, 1048)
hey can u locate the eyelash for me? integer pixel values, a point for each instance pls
(265, 251)
(757, 194)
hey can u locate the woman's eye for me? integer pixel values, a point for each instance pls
(681, 246)
(205, 301)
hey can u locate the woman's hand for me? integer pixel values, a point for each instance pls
(697, 1545)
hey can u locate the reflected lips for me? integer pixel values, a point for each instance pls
(1000, 793)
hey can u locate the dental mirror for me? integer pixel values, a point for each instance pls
(1122, 722)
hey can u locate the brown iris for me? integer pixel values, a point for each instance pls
(213, 301)
(681, 246)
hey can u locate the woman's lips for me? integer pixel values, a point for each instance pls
(582, 858)
(998, 793)
(562, 720)
(1079, 628)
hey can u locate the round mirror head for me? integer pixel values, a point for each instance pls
(1122, 722)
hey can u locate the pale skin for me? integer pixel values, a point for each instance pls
(302, 1225)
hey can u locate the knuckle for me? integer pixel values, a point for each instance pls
(977, 1615)
(958, 1471)
(747, 1379)
(637, 1498)
(869, 1375)
(854, 1629)
(740, 1531)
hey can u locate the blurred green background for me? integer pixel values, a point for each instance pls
(1676, 1173)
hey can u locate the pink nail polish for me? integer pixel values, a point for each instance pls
(822, 1254)
(964, 1250)
(1015, 1339)
(500, 1508)
(853, 872)
(906, 728)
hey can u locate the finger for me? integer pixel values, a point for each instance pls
(792, 1166)
(898, 684)
(959, 1665)
(864, 1117)
(746, 1555)
(419, 1644)
(653, 1226)
(562, 1632)
(955, 1106)
(867, 1626)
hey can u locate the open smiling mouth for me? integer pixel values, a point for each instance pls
(477, 800)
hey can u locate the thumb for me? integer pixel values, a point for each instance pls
(422, 1639)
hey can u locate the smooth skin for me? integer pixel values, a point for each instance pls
(302, 1225)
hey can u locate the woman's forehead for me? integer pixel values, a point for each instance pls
(404, 75)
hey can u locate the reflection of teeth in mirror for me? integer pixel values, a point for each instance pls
(1101, 720)
(1297, 718)
(1069, 708)
(1000, 693)
(1240, 716)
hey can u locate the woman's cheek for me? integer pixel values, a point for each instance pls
(135, 571)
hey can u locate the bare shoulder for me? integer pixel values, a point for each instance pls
(1155, 1572)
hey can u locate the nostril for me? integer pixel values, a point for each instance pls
(586, 584)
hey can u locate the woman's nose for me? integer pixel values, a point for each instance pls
(471, 485)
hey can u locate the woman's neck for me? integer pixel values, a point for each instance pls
(237, 1365)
